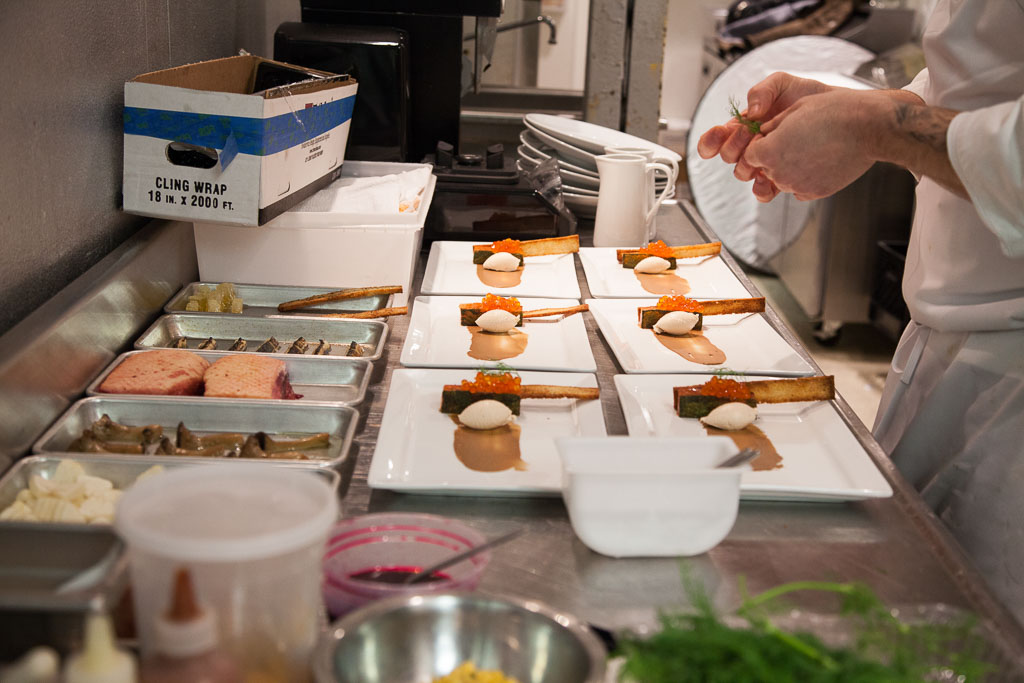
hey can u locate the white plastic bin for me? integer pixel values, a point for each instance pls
(252, 536)
(318, 248)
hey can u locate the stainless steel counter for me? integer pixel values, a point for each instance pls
(896, 545)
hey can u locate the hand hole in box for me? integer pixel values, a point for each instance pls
(195, 156)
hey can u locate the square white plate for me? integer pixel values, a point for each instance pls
(415, 450)
(708, 277)
(750, 344)
(450, 270)
(436, 339)
(821, 458)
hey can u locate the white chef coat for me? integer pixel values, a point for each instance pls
(952, 413)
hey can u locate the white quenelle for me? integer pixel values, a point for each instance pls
(486, 414)
(496, 320)
(730, 416)
(651, 265)
(503, 261)
(676, 323)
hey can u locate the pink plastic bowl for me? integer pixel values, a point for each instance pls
(396, 541)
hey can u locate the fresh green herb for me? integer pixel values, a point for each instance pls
(753, 126)
(700, 647)
(499, 369)
(726, 372)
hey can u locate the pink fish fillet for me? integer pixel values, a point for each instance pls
(249, 376)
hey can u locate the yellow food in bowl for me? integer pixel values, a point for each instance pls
(467, 673)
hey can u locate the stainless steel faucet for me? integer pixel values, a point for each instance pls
(542, 19)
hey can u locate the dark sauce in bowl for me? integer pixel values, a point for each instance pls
(396, 575)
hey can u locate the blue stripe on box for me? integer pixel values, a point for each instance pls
(259, 137)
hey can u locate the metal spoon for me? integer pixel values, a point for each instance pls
(455, 559)
(741, 458)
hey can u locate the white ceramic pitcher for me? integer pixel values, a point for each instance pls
(623, 209)
(648, 154)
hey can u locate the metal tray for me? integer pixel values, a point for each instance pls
(342, 381)
(225, 329)
(59, 567)
(120, 470)
(204, 416)
(262, 300)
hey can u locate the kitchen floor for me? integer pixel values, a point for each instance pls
(858, 356)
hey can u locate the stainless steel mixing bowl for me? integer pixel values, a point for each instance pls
(411, 639)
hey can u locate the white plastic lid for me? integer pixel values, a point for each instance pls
(226, 513)
(186, 628)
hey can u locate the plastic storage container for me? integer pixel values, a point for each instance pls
(252, 536)
(321, 248)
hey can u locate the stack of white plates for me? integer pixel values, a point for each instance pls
(575, 145)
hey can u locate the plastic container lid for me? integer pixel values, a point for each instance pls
(226, 513)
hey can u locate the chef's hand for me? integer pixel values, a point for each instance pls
(767, 99)
(818, 146)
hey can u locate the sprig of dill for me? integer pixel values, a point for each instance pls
(753, 126)
(699, 647)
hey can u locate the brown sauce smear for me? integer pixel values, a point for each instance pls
(663, 283)
(752, 437)
(496, 345)
(499, 278)
(489, 450)
(693, 346)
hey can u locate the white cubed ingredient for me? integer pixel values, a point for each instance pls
(113, 495)
(652, 264)
(68, 471)
(676, 323)
(49, 509)
(99, 506)
(17, 512)
(502, 261)
(730, 416)
(40, 486)
(497, 320)
(485, 414)
(94, 485)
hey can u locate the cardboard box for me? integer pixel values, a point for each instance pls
(237, 140)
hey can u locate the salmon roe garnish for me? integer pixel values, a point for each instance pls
(493, 301)
(657, 248)
(492, 383)
(679, 303)
(509, 245)
(726, 388)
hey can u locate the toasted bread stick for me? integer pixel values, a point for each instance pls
(570, 244)
(544, 312)
(687, 251)
(468, 313)
(454, 398)
(553, 391)
(375, 313)
(649, 315)
(818, 388)
(689, 402)
(339, 295)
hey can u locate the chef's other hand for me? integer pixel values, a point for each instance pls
(765, 100)
(816, 147)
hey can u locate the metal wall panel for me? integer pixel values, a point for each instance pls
(65, 64)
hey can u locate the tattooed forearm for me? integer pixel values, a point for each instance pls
(924, 124)
(916, 139)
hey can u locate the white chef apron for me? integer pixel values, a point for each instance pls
(952, 419)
